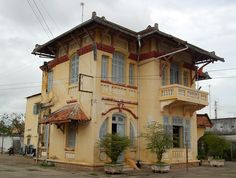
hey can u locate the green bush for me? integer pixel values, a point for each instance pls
(212, 145)
(114, 145)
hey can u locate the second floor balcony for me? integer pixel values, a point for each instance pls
(187, 96)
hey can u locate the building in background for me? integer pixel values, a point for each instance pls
(105, 78)
(226, 127)
(33, 106)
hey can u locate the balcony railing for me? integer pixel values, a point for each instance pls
(182, 93)
(115, 90)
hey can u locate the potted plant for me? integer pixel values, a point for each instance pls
(214, 148)
(114, 145)
(158, 141)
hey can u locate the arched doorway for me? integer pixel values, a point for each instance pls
(118, 124)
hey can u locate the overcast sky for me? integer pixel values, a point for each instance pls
(209, 24)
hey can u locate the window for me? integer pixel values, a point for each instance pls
(186, 78)
(174, 74)
(163, 74)
(49, 81)
(131, 74)
(71, 135)
(118, 65)
(74, 69)
(104, 67)
(36, 108)
(177, 136)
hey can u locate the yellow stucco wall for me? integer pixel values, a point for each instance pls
(200, 132)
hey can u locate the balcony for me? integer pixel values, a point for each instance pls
(118, 91)
(186, 96)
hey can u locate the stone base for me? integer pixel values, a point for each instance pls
(161, 168)
(113, 168)
(217, 162)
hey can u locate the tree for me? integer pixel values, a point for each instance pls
(158, 141)
(213, 145)
(12, 124)
(114, 145)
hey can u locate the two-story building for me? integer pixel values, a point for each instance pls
(105, 78)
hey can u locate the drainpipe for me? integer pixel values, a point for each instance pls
(164, 55)
(138, 97)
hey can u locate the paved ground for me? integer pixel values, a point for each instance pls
(20, 167)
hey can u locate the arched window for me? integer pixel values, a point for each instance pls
(118, 67)
(103, 129)
(74, 69)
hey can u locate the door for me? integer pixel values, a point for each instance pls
(118, 127)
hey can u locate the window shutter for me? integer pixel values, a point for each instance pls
(187, 133)
(103, 129)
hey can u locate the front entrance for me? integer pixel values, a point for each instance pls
(118, 127)
(118, 124)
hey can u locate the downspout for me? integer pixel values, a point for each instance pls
(164, 55)
(138, 97)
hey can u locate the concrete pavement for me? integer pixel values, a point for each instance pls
(21, 167)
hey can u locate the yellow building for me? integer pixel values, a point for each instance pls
(31, 120)
(104, 78)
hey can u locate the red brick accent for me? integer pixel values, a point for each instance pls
(85, 50)
(115, 100)
(105, 48)
(54, 62)
(133, 56)
(122, 85)
(120, 110)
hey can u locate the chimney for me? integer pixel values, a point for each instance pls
(94, 14)
(156, 26)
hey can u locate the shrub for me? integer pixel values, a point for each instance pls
(158, 141)
(213, 145)
(114, 145)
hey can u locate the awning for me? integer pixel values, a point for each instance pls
(66, 114)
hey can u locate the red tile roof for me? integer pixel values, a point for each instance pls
(203, 121)
(66, 114)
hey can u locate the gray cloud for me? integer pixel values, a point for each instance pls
(209, 24)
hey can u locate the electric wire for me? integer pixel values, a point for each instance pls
(48, 14)
(37, 17)
(43, 18)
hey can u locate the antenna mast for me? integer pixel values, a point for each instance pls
(82, 6)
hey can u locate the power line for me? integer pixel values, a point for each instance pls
(43, 18)
(37, 17)
(52, 19)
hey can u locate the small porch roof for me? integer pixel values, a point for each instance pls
(65, 114)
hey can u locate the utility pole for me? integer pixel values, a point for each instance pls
(216, 110)
(209, 101)
(82, 6)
